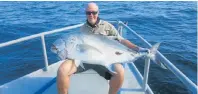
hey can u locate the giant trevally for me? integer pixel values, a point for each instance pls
(97, 49)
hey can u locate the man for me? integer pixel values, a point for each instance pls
(96, 26)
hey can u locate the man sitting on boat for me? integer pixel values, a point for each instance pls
(96, 26)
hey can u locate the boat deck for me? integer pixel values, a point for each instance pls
(89, 82)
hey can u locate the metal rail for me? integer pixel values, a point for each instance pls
(147, 63)
(42, 36)
(187, 82)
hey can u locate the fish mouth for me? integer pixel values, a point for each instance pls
(54, 49)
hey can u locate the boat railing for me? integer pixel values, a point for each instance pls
(42, 36)
(167, 63)
(187, 82)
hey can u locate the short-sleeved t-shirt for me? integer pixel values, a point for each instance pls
(103, 28)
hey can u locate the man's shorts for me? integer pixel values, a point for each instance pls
(101, 70)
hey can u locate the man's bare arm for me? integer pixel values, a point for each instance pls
(129, 44)
(133, 46)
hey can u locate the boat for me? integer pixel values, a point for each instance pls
(43, 81)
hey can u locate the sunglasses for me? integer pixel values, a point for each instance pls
(91, 12)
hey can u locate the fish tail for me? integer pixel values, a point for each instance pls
(153, 55)
(153, 50)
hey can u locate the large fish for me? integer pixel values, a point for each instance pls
(97, 49)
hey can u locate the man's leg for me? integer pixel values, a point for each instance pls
(65, 70)
(117, 79)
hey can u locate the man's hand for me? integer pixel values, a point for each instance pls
(140, 49)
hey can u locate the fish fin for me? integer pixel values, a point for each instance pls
(152, 55)
(110, 68)
(84, 47)
(81, 64)
(77, 63)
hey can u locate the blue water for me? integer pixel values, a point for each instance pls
(172, 23)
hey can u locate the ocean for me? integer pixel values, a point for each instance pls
(174, 24)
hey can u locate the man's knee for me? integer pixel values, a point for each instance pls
(66, 67)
